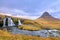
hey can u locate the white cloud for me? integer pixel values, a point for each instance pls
(52, 7)
(19, 13)
(13, 11)
(27, 17)
(5, 14)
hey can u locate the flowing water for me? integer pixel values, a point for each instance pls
(42, 33)
(10, 22)
(4, 20)
(19, 22)
(15, 30)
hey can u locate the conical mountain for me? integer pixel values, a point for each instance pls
(48, 21)
(48, 17)
(46, 14)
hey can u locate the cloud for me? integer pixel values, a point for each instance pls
(16, 13)
(5, 14)
(30, 9)
(12, 11)
(28, 17)
(54, 7)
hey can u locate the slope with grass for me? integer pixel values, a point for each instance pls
(48, 21)
(30, 25)
(27, 24)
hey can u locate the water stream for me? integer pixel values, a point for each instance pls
(42, 33)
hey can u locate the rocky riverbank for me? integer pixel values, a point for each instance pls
(41, 33)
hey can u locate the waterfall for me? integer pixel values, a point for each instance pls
(10, 22)
(4, 22)
(19, 22)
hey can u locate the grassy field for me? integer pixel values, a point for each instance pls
(30, 25)
(27, 27)
(49, 24)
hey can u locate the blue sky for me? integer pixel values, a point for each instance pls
(31, 9)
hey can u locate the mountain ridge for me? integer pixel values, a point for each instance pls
(48, 17)
(48, 21)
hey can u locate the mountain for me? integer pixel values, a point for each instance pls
(48, 21)
(46, 14)
(48, 17)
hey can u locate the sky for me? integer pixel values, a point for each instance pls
(31, 9)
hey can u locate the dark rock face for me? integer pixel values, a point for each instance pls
(46, 14)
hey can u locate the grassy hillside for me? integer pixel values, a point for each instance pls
(31, 25)
(52, 24)
(27, 24)
(48, 21)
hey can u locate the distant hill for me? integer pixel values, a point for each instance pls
(49, 21)
(27, 23)
(48, 17)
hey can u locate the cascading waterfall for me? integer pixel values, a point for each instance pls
(4, 20)
(10, 22)
(19, 22)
